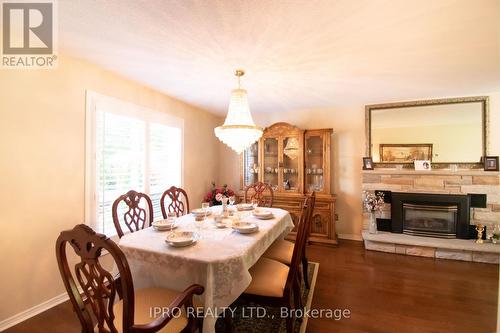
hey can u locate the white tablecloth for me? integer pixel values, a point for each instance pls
(219, 261)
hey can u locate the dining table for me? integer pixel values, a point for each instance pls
(219, 260)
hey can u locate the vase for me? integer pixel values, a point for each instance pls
(224, 205)
(372, 226)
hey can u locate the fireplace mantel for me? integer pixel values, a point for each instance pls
(439, 181)
(437, 172)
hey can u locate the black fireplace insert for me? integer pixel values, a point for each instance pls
(432, 215)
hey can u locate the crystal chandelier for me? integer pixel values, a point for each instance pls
(239, 130)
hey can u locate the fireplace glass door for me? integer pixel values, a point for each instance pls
(430, 220)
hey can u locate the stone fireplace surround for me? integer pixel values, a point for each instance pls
(436, 182)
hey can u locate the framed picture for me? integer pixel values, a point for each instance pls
(367, 163)
(491, 163)
(422, 165)
(405, 152)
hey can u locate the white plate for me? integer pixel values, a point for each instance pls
(181, 238)
(262, 212)
(163, 225)
(244, 206)
(165, 228)
(200, 212)
(245, 227)
(264, 216)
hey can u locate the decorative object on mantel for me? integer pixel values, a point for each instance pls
(405, 153)
(367, 163)
(216, 196)
(480, 230)
(373, 202)
(496, 234)
(491, 163)
(239, 130)
(422, 165)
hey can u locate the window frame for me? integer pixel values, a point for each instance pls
(125, 109)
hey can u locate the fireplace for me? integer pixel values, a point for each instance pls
(430, 220)
(432, 215)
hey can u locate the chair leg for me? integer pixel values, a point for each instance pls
(228, 322)
(297, 298)
(305, 271)
(289, 324)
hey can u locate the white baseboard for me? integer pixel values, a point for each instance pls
(22, 316)
(355, 237)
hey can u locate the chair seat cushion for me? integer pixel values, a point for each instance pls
(146, 300)
(281, 250)
(268, 278)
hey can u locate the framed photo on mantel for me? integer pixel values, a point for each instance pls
(367, 163)
(422, 165)
(491, 163)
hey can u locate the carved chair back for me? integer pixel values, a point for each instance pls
(135, 217)
(179, 202)
(257, 191)
(99, 288)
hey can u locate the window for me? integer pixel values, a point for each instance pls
(128, 148)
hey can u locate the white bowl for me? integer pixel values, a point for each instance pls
(244, 206)
(245, 227)
(200, 212)
(163, 224)
(263, 214)
(181, 238)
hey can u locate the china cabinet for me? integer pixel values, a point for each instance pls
(294, 162)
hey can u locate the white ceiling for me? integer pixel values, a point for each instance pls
(297, 54)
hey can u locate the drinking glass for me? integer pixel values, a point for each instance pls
(255, 203)
(205, 206)
(232, 200)
(172, 217)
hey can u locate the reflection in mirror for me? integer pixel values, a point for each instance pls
(442, 133)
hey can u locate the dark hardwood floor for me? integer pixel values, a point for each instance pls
(384, 293)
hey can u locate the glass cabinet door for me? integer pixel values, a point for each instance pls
(291, 158)
(271, 163)
(251, 165)
(314, 163)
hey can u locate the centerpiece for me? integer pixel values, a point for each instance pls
(218, 195)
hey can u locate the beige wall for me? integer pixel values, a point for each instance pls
(42, 142)
(348, 147)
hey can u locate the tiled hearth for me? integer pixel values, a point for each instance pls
(436, 182)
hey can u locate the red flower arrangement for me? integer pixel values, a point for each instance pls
(214, 197)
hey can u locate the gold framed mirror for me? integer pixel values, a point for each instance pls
(445, 131)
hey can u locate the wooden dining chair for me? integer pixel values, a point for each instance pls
(258, 191)
(277, 284)
(95, 290)
(281, 250)
(135, 217)
(179, 202)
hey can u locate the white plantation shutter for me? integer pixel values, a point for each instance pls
(128, 148)
(164, 162)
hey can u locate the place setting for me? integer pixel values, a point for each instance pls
(262, 214)
(167, 224)
(182, 238)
